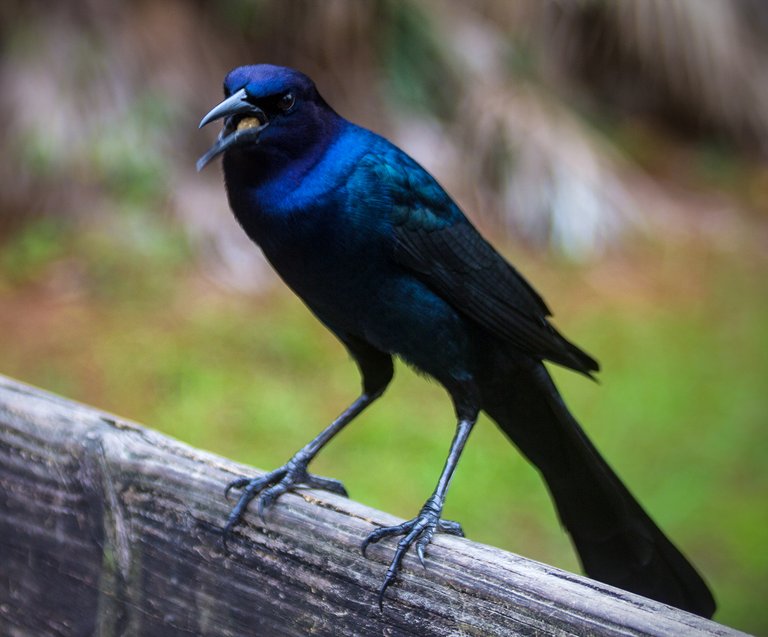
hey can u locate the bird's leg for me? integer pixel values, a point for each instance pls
(421, 528)
(270, 486)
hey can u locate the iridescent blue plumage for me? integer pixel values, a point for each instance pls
(386, 260)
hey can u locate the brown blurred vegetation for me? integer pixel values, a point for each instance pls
(545, 117)
(620, 147)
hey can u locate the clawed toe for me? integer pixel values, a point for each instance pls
(451, 528)
(420, 531)
(269, 487)
(267, 498)
(381, 533)
(235, 484)
(326, 484)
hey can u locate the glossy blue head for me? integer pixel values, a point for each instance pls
(272, 114)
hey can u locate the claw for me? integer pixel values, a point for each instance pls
(422, 544)
(326, 484)
(387, 581)
(419, 530)
(382, 532)
(225, 533)
(235, 484)
(268, 497)
(269, 487)
(420, 553)
(372, 538)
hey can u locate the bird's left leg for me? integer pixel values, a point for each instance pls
(376, 371)
(421, 528)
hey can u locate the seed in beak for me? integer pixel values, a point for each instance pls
(248, 122)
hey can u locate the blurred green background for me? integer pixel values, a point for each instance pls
(616, 152)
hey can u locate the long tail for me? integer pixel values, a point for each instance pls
(616, 540)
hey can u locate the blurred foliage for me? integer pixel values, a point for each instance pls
(416, 64)
(630, 135)
(33, 248)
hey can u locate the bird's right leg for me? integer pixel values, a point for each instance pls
(376, 370)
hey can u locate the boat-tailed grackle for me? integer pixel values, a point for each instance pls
(386, 260)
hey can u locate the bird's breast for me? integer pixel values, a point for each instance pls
(332, 265)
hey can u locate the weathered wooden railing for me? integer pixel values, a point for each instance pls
(108, 528)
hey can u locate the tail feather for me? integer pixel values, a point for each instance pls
(616, 540)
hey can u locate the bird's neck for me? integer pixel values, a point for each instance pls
(268, 184)
(273, 171)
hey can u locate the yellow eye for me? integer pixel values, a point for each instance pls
(286, 102)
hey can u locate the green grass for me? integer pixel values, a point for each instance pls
(680, 410)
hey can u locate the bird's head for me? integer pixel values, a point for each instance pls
(269, 110)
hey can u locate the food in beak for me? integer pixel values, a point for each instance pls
(236, 132)
(248, 122)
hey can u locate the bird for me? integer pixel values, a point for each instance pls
(385, 259)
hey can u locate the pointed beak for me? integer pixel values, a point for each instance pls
(233, 105)
(246, 128)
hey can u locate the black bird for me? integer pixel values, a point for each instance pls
(386, 260)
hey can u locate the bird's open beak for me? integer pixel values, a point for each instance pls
(243, 122)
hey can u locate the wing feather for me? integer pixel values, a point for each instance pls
(438, 243)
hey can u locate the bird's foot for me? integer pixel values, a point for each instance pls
(267, 488)
(419, 530)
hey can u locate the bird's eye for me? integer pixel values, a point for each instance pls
(286, 102)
